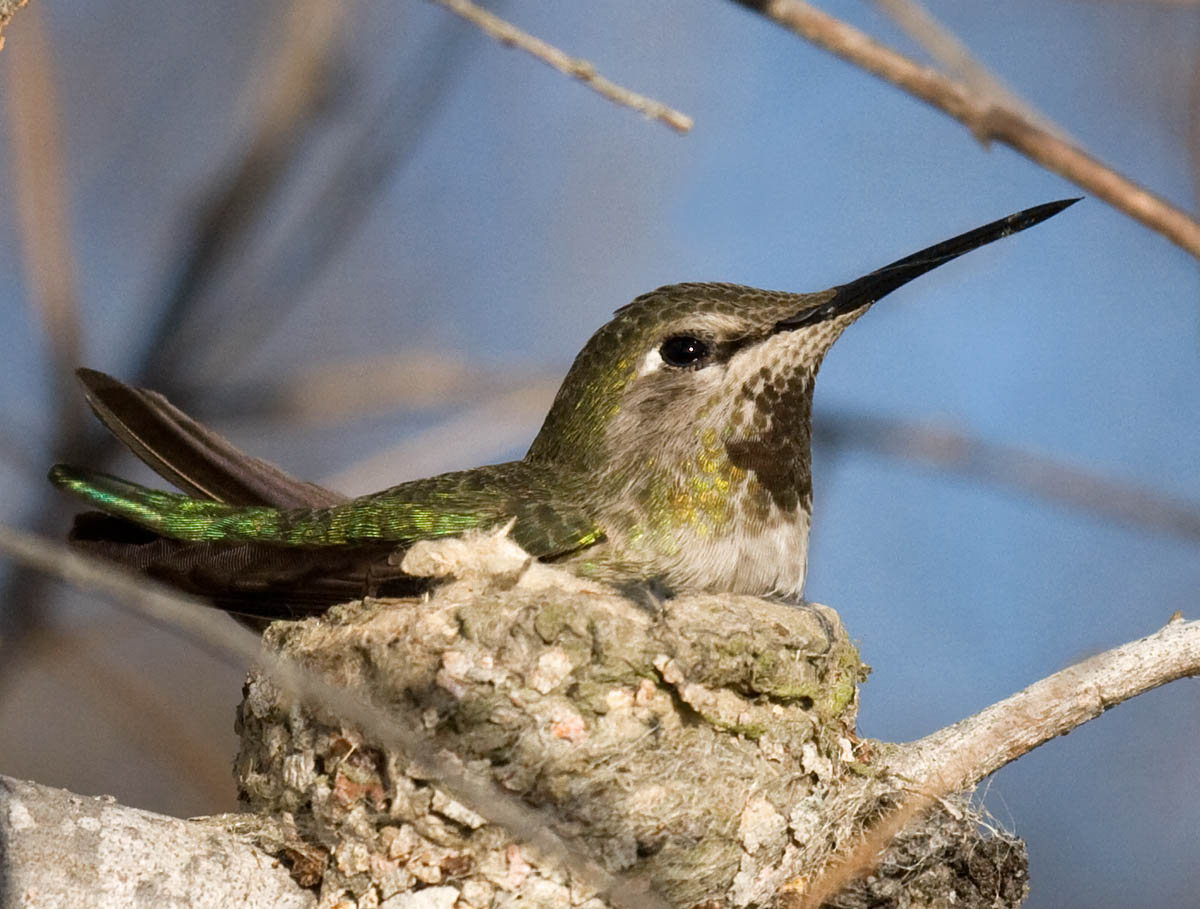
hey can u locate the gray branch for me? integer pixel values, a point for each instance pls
(58, 849)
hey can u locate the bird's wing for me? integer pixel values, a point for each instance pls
(549, 528)
(190, 455)
(447, 505)
(544, 522)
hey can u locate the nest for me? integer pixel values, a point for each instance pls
(704, 743)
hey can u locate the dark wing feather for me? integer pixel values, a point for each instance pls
(190, 455)
(249, 579)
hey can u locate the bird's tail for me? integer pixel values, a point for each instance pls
(188, 454)
(168, 514)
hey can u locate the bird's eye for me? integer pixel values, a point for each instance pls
(684, 350)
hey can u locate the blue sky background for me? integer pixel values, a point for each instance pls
(524, 209)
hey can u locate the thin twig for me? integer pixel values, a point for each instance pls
(1193, 125)
(959, 756)
(211, 629)
(990, 122)
(585, 72)
(498, 422)
(958, 61)
(858, 858)
(409, 380)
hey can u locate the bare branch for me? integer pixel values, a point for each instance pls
(988, 121)
(40, 190)
(959, 756)
(350, 388)
(585, 72)
(499, 422)
(63, 849)
(214, 630)
(1193, 125)
(957, 59)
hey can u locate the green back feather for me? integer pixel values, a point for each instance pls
(446, 505)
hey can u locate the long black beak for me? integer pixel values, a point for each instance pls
(878, 284)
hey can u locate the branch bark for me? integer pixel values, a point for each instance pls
(988, 121)
(961, 755)
(507, 33)
(58, 849)
(958, 757)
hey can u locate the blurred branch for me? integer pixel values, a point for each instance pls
(386, 137)
(585, 72)
(40, 193)
(1193, 126)
(40, 190)
(200, 622)
(342, 390)
(413, 380)
(294, 87)
(987, 120)
(960, 756)
(129, 703)
(1007, 465)
(497, 423)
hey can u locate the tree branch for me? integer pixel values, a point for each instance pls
(62, 849)
(987, 120)
(955, 57)
(960, 756)
(585, 72)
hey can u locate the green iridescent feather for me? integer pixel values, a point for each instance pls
(453, 503)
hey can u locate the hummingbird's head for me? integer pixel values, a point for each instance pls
(688, 360)
(697, 375)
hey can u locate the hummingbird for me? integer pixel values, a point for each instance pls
(677, 453)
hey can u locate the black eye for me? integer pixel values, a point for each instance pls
(683, 350)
